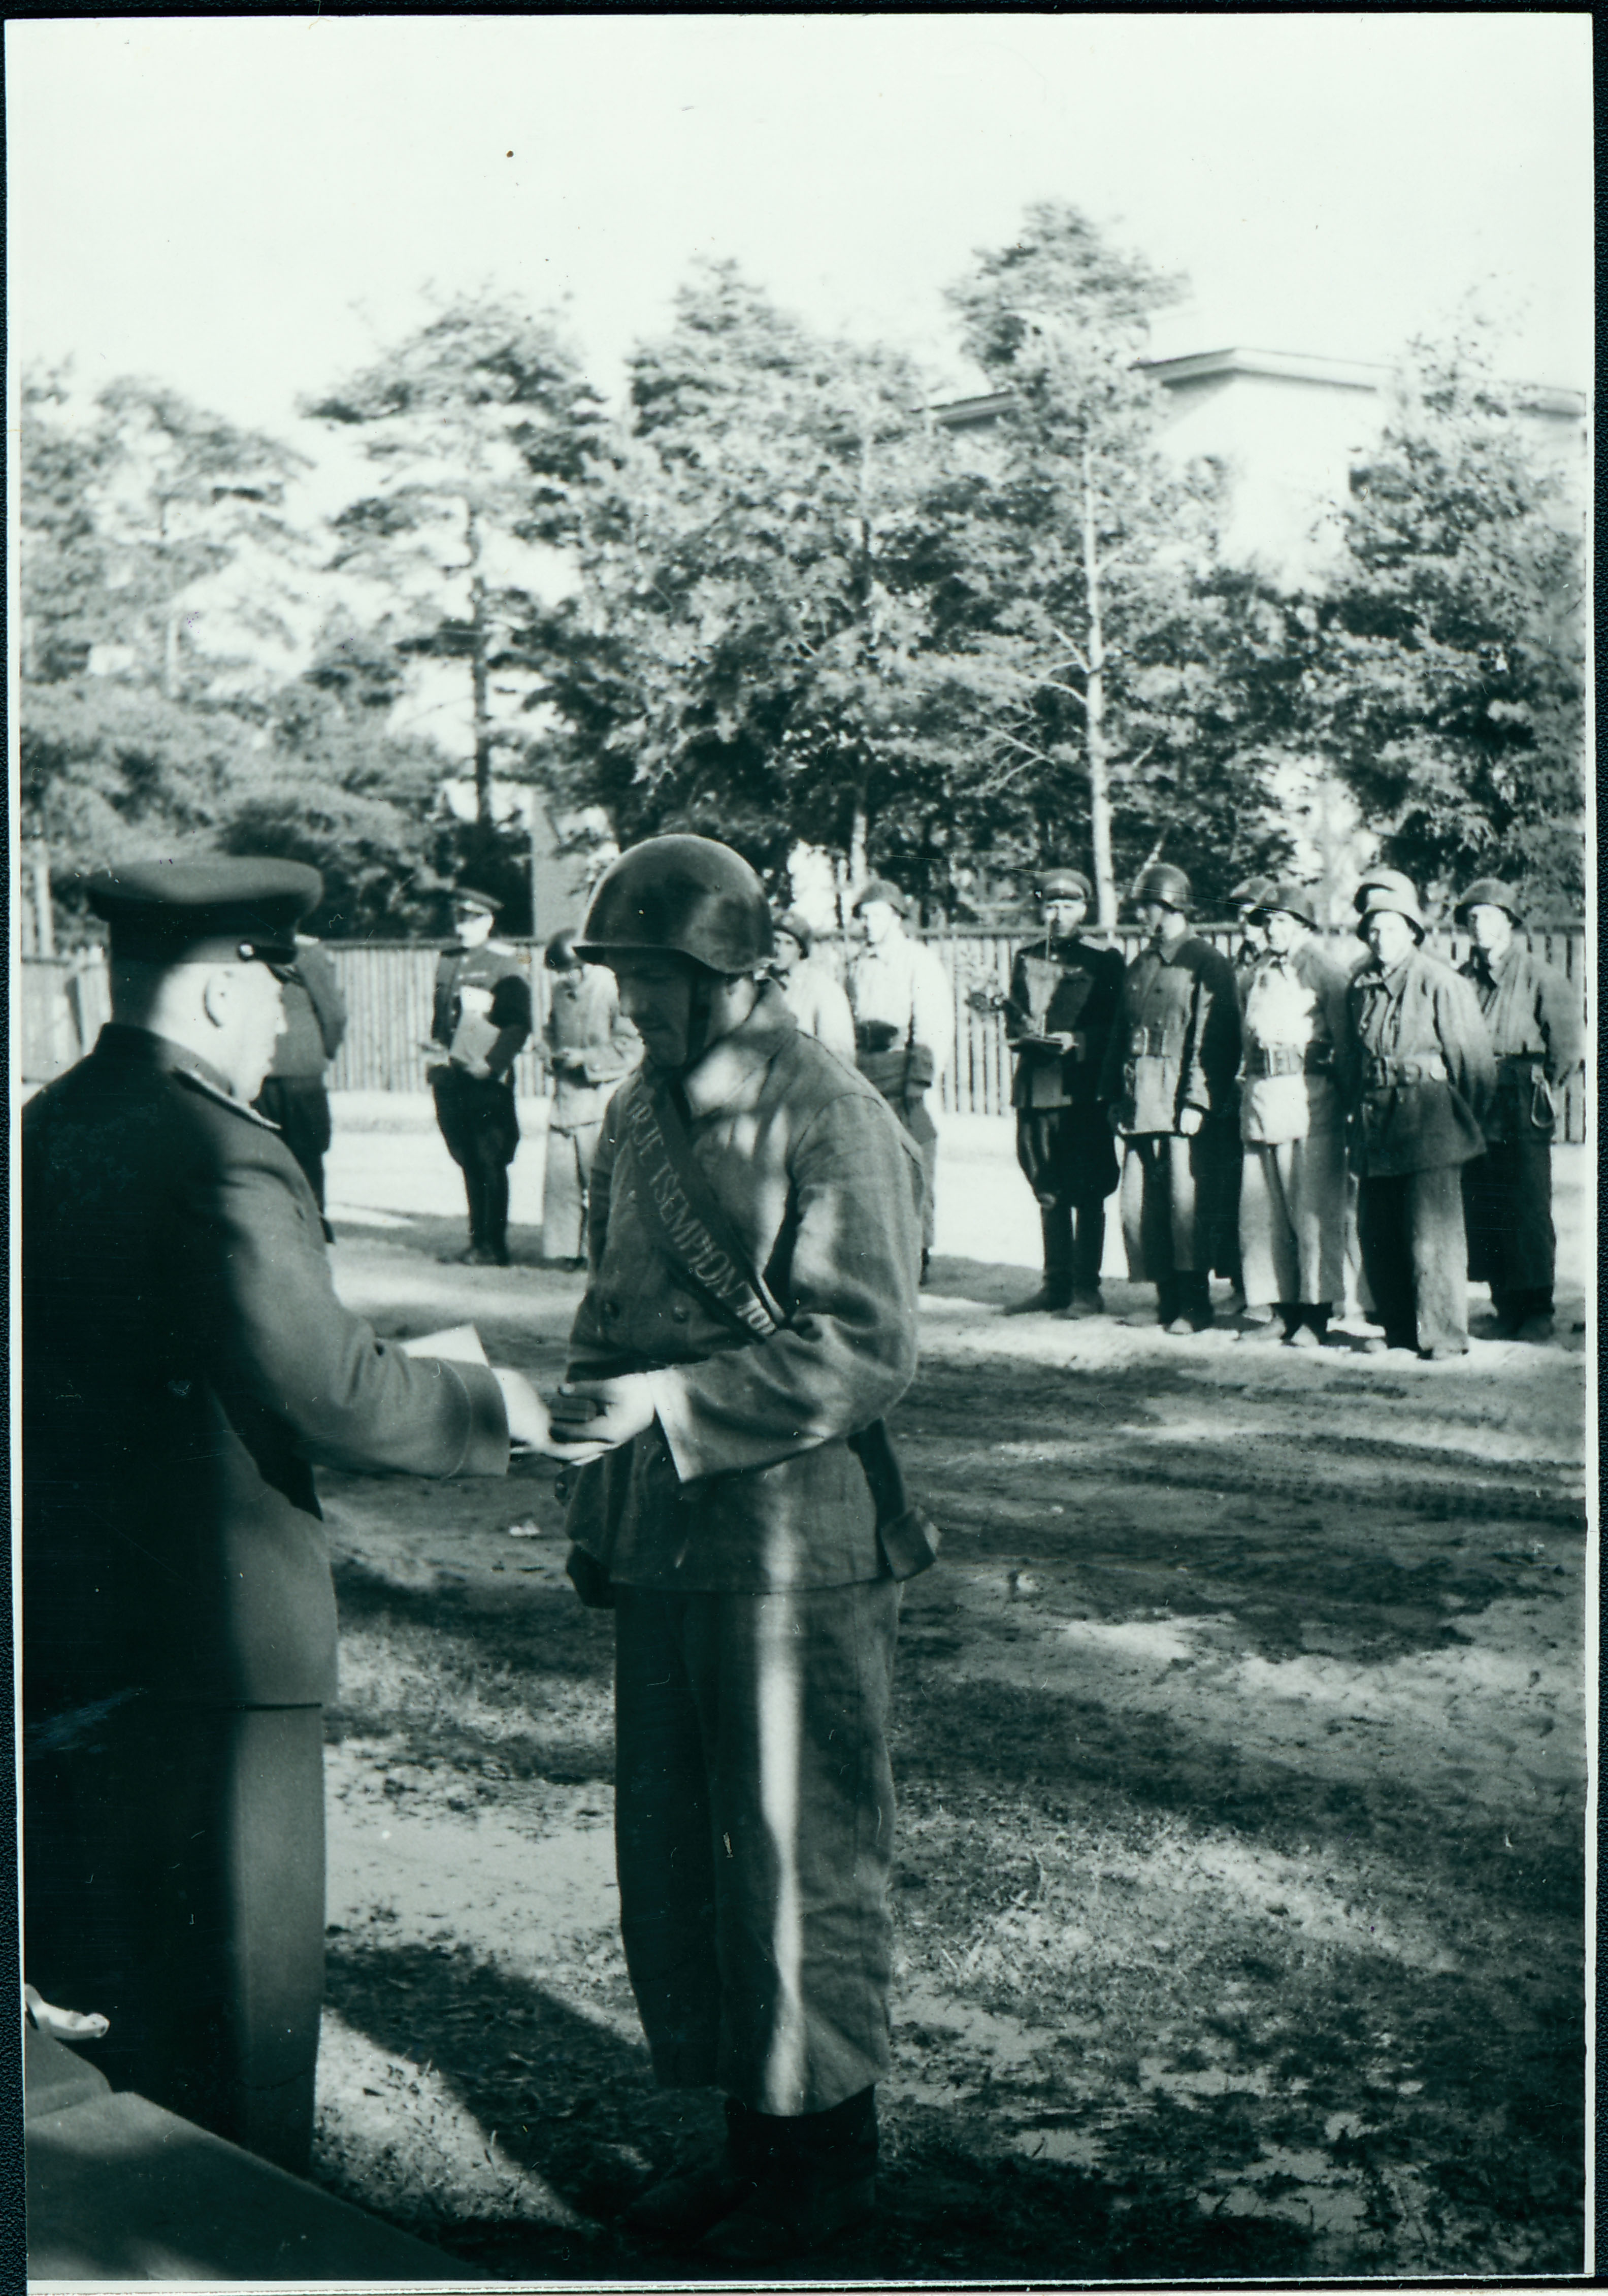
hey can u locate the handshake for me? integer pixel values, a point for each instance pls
(580, 1419)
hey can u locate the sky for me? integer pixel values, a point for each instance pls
(251, 208)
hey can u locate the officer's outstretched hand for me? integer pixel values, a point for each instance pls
(1190, 1120)
(530, 1420)
(601, 1413)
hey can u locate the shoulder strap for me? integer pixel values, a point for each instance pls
(694, 1230)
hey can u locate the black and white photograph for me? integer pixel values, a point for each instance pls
(802, 880)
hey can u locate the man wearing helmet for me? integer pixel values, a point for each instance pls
(1059, 1013)
(1533, 1015)
(1418, 1074)
(590, 1046)
(749, 1314)
(903, 1024)
(1169, 1082)
(1293, 1197)
(812, 989)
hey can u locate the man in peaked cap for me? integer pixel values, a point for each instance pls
(1168, 1084)
(1059, 1011)
(481, 1018)
(186, 1358)
(903, 1024)
(1534, 1017)
(1418, 1075)
(749, 1314)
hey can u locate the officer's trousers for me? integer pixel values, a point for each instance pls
(566, 1189)
(1166, 1203)
(481, 1127)
(173, 1871)
(300, 1107)
(1070, 1162)
(1292, 1221)
(754, 1834)
(1507, 1204)
(1415, 1255)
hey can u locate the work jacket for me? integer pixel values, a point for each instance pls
(818, 1004)
(590, 1045)
(1061, 987)
(1294, 1020)
(745, 1482)
(1176, 1040)
(1533, 1014)
(1416, 1068)
(185, 1364)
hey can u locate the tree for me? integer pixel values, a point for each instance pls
(477, 428)
(1444, 657)
(1088, 587)
(750, 652)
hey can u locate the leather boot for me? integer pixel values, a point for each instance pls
(817, 2177)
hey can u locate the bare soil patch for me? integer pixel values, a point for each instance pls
(1239, 1744)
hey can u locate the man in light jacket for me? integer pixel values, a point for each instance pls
(590, 1046)
(904, 1025)
(740, 1514)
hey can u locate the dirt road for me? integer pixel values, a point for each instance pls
(1240, 1750)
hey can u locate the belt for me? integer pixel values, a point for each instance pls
(1521, 1068)
(1155, 1042)
(1428, 1067)
(1288, 1059)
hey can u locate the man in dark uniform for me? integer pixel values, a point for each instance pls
(481, 1018)
(1059, 1013)
(749, 1314)
(1533, 1014)
(1168, 1086)
(185, 1358)
(293, 1094)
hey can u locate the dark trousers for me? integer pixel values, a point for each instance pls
(754, 1833)
(481, 1130)
(175, 1883)
(1507, 1205)
(1070, 1162)
(1166, 1205)
(300, 1107)
(1414, 1254)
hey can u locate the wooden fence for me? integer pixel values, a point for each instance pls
(388, 987)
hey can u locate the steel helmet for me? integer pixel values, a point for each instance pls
(881, 889)
(1061, 884)
(1161, 881)
(1489, 893)
(684, 896)
(1252, 894)
(795, 922)
(560, 955)
(1400, 896)
(1391, 880)
(1295, 900)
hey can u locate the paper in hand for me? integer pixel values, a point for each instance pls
(460, 1344)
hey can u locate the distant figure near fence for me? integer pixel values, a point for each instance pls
(481, 1018)
(590, 1046)
(293, 1094)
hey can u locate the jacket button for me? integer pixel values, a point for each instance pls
(679, 1314)
(611, 1306)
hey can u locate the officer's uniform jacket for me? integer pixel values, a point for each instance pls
(1416, 1068)
(1532, 1014)
(1070, 989)
(491, 982)
(1177, 1041)
(585, 1021)
(745, 1482)
(315, 1016)
(186, 1363)
(1294, 1024)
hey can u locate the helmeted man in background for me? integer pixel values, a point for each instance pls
(1168, 1086)
(811, 987)
(1247, 900)
(749, 1314)
(590, 1046)
(1059, 1013)
(903, 1024)
(185, 1363)
(1417, 1073)
(1533, 1015)
(1292, 1188)
(480, 1020)
(293, 1094)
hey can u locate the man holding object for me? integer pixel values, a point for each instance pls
(755, 1248)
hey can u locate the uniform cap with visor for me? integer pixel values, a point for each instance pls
(679, 896)
(222, 910)
(484, 905)
(1063, 885)
(1164, 883)
(1489, 893)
